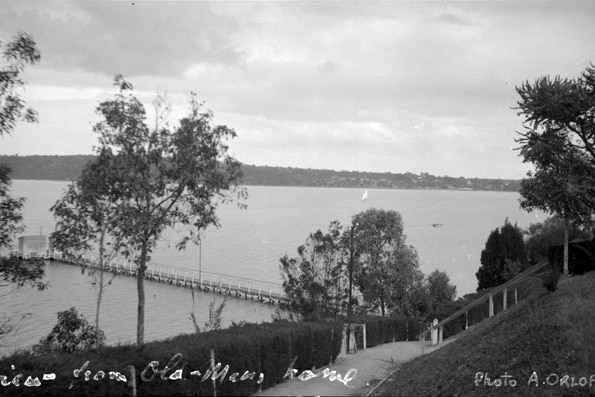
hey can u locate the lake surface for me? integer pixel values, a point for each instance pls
(249, 244)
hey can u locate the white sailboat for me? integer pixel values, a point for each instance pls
(365, 195)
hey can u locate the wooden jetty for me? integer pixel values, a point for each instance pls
(238, 287)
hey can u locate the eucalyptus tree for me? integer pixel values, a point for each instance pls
(316, 280)
(17, 53)
(385, 266)
(83, 226)
(162, 176)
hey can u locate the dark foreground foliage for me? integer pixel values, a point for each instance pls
(249, 351)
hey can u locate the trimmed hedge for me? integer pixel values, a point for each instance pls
(252, 349)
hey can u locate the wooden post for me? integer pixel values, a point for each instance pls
(515, 297)
(365, 341)
(491, 306)
(504, 299)
(132, 381)
(434, 332)
(466, 320)
(213, 370)
(440, 335)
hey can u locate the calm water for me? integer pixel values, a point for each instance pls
(249, 243)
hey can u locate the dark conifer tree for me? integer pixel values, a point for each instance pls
(503, 257)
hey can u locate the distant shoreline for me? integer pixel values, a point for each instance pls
(68, 168)
(324, 187)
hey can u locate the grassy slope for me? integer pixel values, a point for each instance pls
(549, 333)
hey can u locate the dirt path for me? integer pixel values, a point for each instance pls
(372, 366)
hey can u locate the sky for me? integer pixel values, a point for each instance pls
(378, 86)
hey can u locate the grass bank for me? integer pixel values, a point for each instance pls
(544, 346)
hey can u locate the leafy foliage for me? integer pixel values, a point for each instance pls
(372, 253)
(316, 280)
(72, 333)
(14, 272)
(548, 233)
(17, 53)
(558, 111)
(440, 289)
(559, 139)
(155, 178)
(215, 316)
(386, 267)
(503, 256)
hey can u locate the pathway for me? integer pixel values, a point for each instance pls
(373, 365)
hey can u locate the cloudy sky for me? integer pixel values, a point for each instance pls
(389, 86)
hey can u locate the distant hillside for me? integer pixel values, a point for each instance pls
(64, 168)
(51, 168)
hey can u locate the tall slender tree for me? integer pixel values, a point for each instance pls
(161, 176)
(83, 227)
(559, 139)
(14, 272)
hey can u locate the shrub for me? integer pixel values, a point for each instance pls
(71, 333)
(264, 348)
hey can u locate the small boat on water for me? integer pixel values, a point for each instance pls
(437, 224)
(365, 195)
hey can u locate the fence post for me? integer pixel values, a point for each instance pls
(491, 306)
(434, 332)
(365, 341)
(440, 335)
(466, 320)
(515, 297)
(504, 299)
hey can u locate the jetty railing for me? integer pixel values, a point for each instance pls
(235, 286)
(503, 288)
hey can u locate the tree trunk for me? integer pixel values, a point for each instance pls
(565, 247)
(140, 278)
(100, 293)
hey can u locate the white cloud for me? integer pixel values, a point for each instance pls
(383, 86)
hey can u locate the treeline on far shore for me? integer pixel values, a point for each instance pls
(65, 168)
